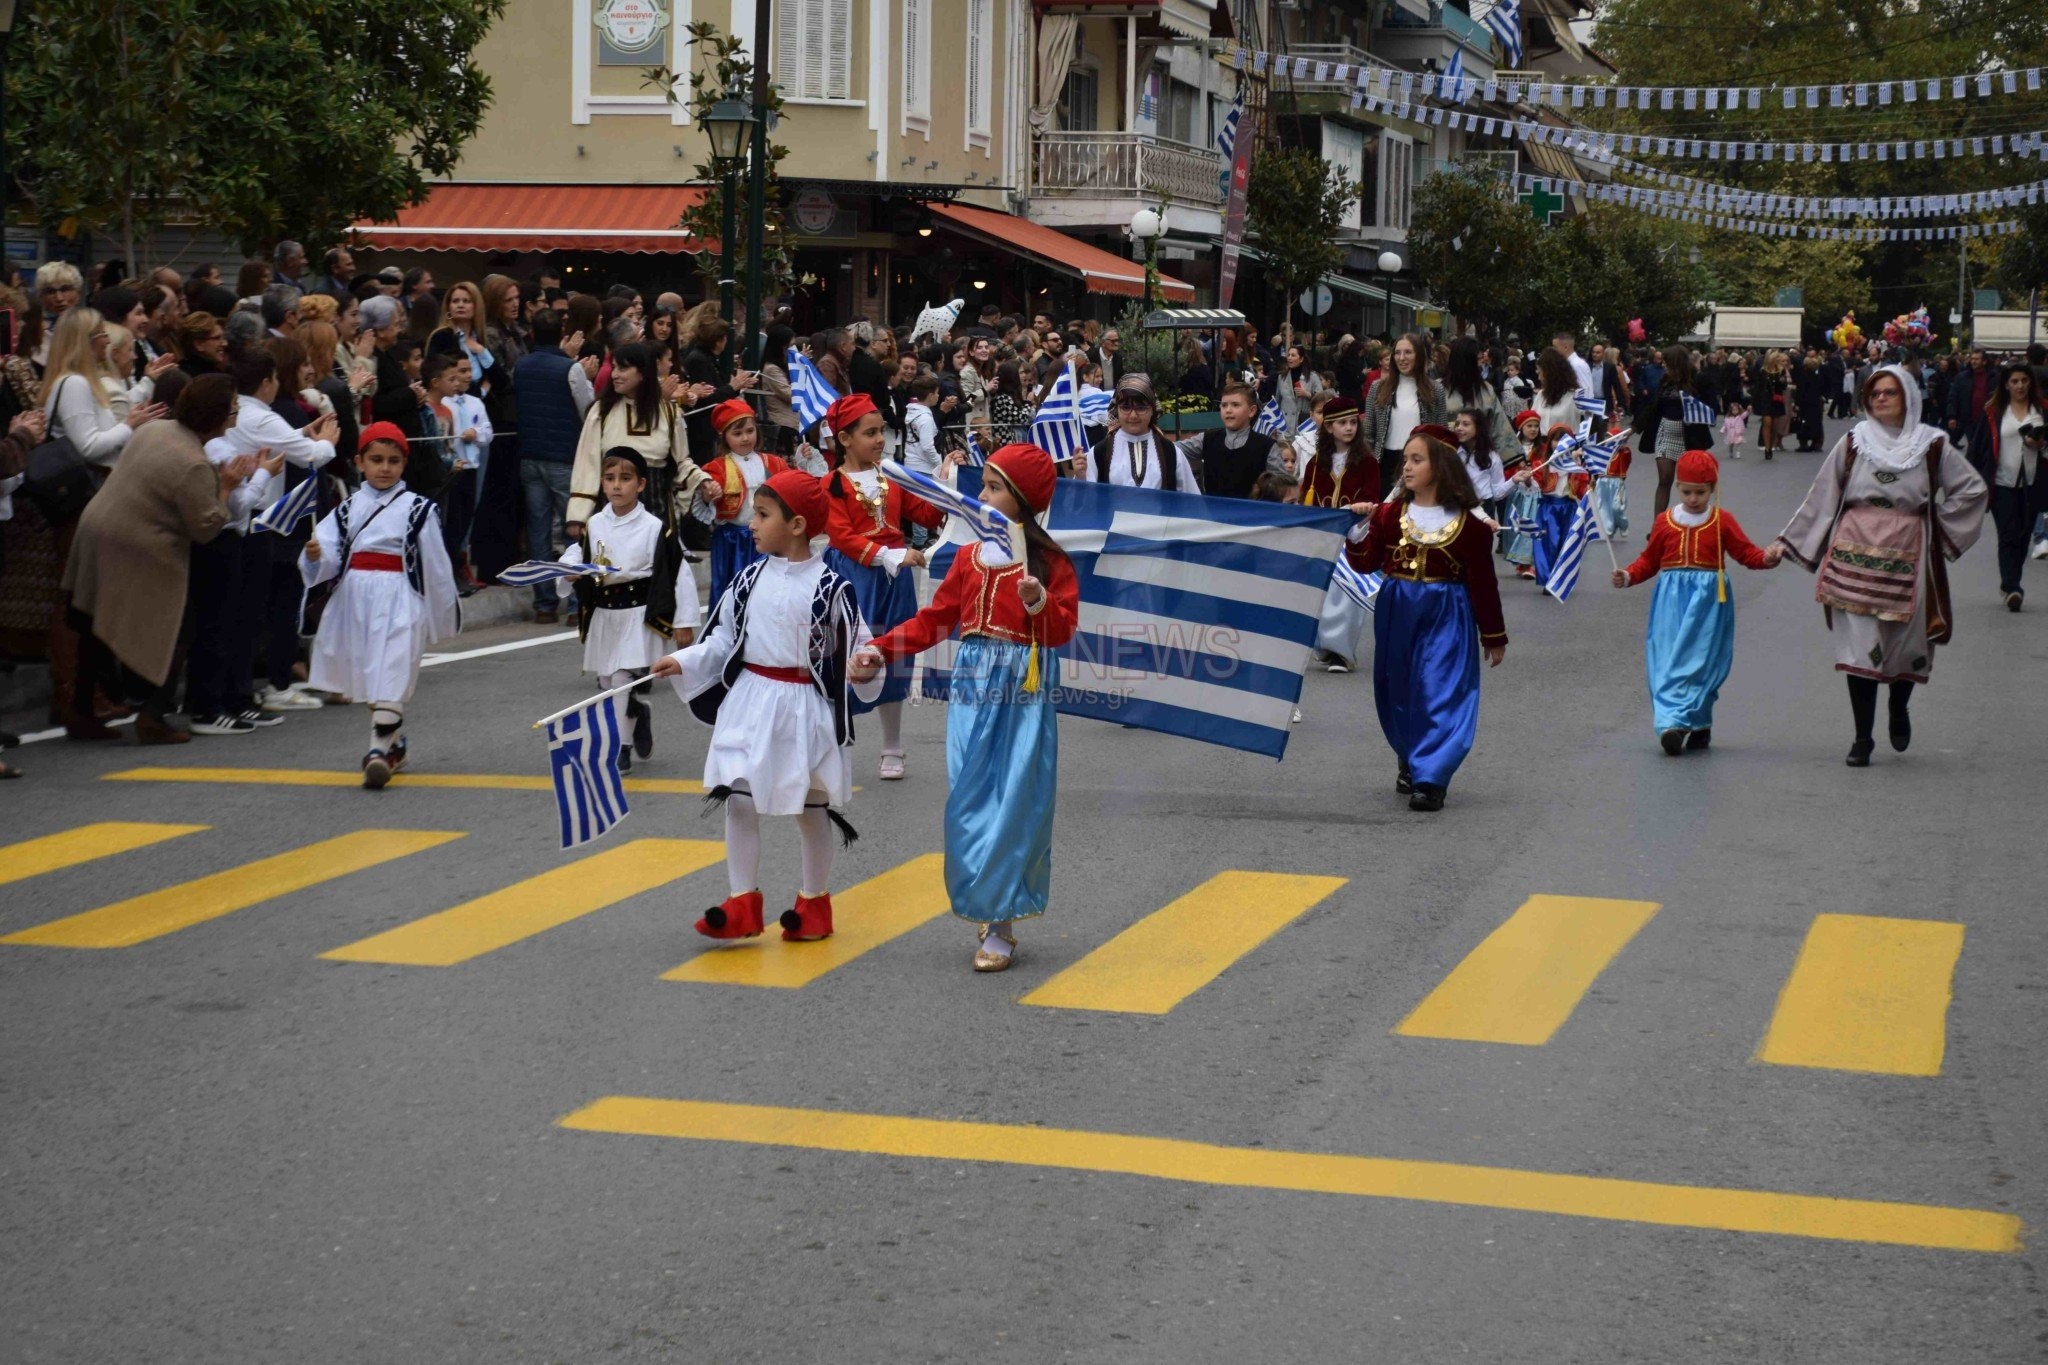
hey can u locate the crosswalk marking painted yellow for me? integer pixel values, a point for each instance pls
(1439, 1182)
(142, 918)
(351, 777)
(1175, 951)
(863, 917)
(34, 857)
(1525, 979)
(535, 905)
(1867, 993)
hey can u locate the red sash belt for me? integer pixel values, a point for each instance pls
(788, 675)
(376, 559)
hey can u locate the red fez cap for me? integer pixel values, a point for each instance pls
(730, 411)
(1030, 471)
(384, 431)
(1698, 466)
(1436, 431)
(844, 412)
(804, 495)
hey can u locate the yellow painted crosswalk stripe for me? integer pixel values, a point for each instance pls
(1867, 994)
(1175, 951)
(52, 852)
(349, 777)
(864, 917)
(129, 922)
(535, 905)
(1525, 979)
(1440, 1182)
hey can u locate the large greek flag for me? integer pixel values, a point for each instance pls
(1197, 613)
(1504, 22)
(1226, 138)
(809, 391)
(583, 749)
(1585, 529)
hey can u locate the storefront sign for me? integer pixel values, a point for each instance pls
(631, 26)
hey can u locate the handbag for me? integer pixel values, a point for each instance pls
(58, 481)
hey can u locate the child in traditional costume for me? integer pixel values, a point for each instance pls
(730, 482)
(1557, 501)
(866, 523)
(1519, 507)
(770, 677)
(1002, 737)
(1690, 644)
(619, 642)
(395, 594)
(1342, 471)
(1438, 611)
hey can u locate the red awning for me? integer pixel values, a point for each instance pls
(637, 218)
(1098, 269)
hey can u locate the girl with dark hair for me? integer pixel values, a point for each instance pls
(1438, 611)
(2016, 430)
(631, 412)
(1665, 428)
(1465, 387)
(253, 279)
(779, 431)
(1002, 736)
(1556, 398)
(1404, 398)
(1008, 415)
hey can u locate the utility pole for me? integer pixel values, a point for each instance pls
(757, 187)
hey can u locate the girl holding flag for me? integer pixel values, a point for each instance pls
(1002, 737)
(1690, 645)
(730, 482)
(866, 520)
(1438, 612)
(1559, 481)
(1518, 510)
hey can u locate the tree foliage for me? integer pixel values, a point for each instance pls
(1294, 206)
(1470, 243)
(262, 118)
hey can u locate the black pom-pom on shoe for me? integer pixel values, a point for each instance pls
(1673, 742)
(1699, 739)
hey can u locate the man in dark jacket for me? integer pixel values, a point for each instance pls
(550, 423)
(1967, 395)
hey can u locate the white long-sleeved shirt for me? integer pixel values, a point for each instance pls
(1490, 482)
(468, 413)
(258, 427)
(920, 439)
(1127, 452)
(79, 412)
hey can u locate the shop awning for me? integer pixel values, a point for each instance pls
(1189, 20)
(1098, 269)
(635, 218)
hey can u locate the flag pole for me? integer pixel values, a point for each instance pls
(1606, 536)
(626, 687)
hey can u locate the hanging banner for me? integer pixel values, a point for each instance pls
(1233, 219)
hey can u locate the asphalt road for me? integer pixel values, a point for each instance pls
(218, 1146)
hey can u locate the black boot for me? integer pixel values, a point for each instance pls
(1863, 707)
(1404, 784)
(625, 758)
(643, 725)
(1902, 722)
(1673, 742)
(1699, 739)
(1426, 797)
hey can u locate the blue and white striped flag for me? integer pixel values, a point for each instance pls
(1226, 138)
(288, 511)
(1056, 428)
(1590, 406)
(1598, 457)
(1362, 588)
(1271, 421)
(543, 571)
(1504, 22)
(1197, 614)
(996, 532)
(1584, 530)
(809, 392)
(1451, 85)
(1696, 411)
(976, 456)
(1095, 408)
(583, 747)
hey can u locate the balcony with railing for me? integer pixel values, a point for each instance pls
(1131, 167)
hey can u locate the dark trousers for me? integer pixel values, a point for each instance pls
(284, 592)
(2012, 514)
(228, 587)
(1390, 473)
(458, 512)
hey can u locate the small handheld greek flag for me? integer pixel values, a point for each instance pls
(544, 571)
(976, 456)
(1362, 588)
(1598, 457)
(1001, 538)
(291, 509)
(1271, 421)
(809, 392)
(1095, 408)
(1697, 411)
(1056, 429)
(1564, 574)
(583, 747)
(1592, 407)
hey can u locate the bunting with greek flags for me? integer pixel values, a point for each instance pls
(1056, 427)
(583, 750)
(1504, 22)
(1584, 530)
(1197, 614)
(1271, 421)
(284, 515)
(809, 391)
(533, 571)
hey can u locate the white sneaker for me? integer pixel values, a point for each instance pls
(276, 699)
(1336, 666)
(221, 725)
(1297, 716)
(260, 719)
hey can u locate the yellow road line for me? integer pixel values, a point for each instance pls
(1525, 979)
(129, 922)
(535, 905)
(1441, 1182)
(34, 857)
(1175, 951)
(340, 777)
(1867, 994)
(863, 917)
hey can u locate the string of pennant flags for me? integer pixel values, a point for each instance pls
(1626, 194)
(1382, 80)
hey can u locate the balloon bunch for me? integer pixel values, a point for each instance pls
(1847, 333)
(1909, 329)
(1636, 331)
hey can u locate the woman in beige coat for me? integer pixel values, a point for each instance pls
(127, 572)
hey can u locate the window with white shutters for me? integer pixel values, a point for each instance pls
(814, 49)
(917, 65)
(980, 49)
(1397, 180)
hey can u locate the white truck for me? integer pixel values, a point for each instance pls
(1753, 329)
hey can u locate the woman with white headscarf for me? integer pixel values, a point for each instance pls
(1893, 501)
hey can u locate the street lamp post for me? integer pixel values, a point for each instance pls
(728, 125)
(1148, 225)
(7, 16)
(1390, 266)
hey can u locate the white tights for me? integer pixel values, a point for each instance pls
(743, 844)
(891, 716)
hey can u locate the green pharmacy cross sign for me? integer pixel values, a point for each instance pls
(1543, 204)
